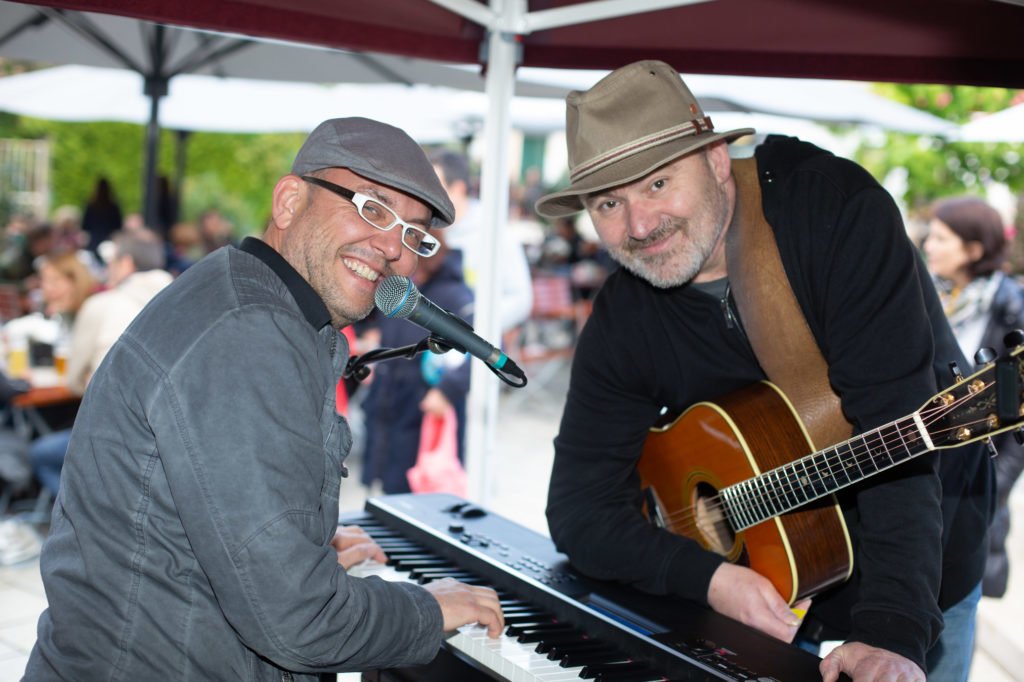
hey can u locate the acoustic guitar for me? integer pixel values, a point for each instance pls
(741, 477)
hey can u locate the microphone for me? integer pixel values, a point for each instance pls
(398, 297)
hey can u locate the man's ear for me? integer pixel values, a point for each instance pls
(718, 159)
(287, 200)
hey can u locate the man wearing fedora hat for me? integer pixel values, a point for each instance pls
(195, 533)
(670, 329)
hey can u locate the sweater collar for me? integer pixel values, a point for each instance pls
(310, 303)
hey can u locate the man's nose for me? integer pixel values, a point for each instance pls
(389, 243)
(642, 219)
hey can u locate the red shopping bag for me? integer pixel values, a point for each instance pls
(438, 469)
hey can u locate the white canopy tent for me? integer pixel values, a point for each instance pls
(239, 105)
(1004, 126)
(821, 101)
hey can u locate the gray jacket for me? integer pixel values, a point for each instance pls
(191, 537)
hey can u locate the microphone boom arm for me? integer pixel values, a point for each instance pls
(357, 366)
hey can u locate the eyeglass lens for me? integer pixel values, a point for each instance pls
(381, 217)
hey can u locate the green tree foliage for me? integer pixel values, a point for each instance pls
(936, 167)
(232, 173)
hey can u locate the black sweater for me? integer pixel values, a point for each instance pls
(858, 282)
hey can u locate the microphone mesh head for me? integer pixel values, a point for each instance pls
(396, 296)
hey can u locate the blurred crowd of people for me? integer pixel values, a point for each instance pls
(68, 288)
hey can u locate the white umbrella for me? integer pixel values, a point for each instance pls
(822, 101)
(1004, 126)
(239, 105)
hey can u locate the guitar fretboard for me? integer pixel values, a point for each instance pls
(821, 473)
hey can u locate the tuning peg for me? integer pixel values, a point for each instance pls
(984, 356)
(955, 371)
(992, 452)
(1014, 338)
(1018, 435)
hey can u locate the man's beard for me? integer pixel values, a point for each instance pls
(685, 259)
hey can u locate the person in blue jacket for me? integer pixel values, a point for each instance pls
(402, 392)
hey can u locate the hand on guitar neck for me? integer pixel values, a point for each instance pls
(746, 596)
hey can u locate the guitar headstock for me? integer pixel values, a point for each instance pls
(986, 403)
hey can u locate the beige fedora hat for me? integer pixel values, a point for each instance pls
(634, 120)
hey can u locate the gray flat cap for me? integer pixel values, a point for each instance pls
(379, 152)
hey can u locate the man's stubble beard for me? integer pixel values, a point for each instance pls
(685, 259)
(321, 274)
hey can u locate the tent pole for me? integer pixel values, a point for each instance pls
(482, 409)
(180, 163)
(155, 88)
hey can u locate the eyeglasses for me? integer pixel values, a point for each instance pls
(416, 239)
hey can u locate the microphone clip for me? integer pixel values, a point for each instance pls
(357, 367)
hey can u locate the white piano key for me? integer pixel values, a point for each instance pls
(504, 655)
(509, 658)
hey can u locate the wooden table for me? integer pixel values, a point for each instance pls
(26, 407)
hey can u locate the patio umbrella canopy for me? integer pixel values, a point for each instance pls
(940, 41)
(430, 114)
(1004, 126)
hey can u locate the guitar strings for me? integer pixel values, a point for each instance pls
(752, 503)
(748, 501)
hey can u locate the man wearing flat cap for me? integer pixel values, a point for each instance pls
(695, 315)
(195, 534)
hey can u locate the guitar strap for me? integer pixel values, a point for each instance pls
(774, 323)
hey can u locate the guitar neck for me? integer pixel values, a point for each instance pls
(824, 472)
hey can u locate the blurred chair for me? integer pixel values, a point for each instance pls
(544, 344)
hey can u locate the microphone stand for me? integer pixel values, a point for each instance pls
(357, 369)
(357, 365)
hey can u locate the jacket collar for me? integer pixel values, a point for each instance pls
(310, 303)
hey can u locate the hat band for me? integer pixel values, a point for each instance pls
(694, 127)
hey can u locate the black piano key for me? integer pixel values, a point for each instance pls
(591, 658)
(544, 634)
(440, 572)
(512, 602)
(403, 563)
(552, 625)
(583, 647)
(376, 530)
(525, 618)
(638, 676)
(397, 555)
(594, 669)
(392, 551)
(545, 645)
(400, 545)
(394, 539)
(439, 567)
(522, 611)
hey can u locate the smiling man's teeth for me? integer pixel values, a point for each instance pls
(361, 270)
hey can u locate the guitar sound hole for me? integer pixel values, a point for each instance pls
(712, 526)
